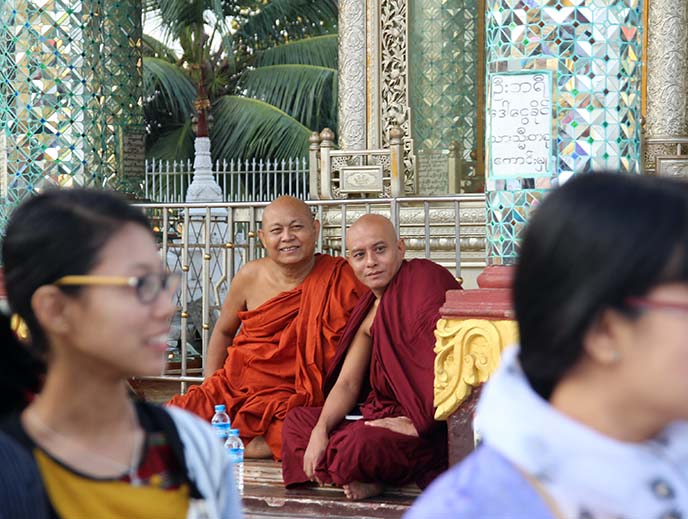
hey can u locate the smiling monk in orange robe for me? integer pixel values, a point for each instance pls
(292, 307)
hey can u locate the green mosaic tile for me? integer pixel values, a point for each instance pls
(507, 213)
(594, 49)
(443, 73)
(72, 70)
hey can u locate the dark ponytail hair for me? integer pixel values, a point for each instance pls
(593, 243)
(54, 234)
(20, 371)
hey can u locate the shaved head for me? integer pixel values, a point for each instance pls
(289, 232)
(371, 224)
(375, 252)
(284, 204)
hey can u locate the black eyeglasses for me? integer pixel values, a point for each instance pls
(148, 287)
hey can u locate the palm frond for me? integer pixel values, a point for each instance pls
(305, 92)
(175, 144)
(303, 17)
(153, 48)
(167, 88)
(315, 50)
(178, 15)
(150, 6)
(247, 128)
(229, 8)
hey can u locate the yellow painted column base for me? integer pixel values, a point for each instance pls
(467, 352)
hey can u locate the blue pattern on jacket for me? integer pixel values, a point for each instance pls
(484, 486)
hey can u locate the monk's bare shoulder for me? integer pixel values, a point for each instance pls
(253, 268)
(367, 322)
(246, 279)
(254, 283)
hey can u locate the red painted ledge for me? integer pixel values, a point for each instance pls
(491, 301)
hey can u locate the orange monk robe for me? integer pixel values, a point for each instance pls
(281, 354)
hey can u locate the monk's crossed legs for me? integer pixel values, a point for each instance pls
(359, 458)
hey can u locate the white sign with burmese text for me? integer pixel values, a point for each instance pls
(519, 134)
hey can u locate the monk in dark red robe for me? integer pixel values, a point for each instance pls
(291, 307)
(386, 355)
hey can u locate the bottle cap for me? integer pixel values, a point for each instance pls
(233, 432)
(220, 408)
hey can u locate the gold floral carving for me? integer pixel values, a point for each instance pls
(394, 98)
(467, 353)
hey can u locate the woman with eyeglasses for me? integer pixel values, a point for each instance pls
(83, 271)
(586, 419)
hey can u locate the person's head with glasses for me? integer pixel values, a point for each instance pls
(601, 299)
(83, 271)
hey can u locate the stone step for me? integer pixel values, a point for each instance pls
(265, 497)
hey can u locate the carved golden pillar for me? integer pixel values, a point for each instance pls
(475, 327)
(468, 353)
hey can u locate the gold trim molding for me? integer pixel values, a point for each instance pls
(467, 352)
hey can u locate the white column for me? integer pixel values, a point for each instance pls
(352, 74)
(667, 76)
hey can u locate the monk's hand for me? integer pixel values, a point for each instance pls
(400, 424)
(314, 452)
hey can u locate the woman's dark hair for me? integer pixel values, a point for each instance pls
(593, 243)
(20, 371)
(57, 233)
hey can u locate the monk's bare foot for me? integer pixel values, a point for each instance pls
(258, 448)
(357, 490)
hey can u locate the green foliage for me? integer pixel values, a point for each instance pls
(176, 143)
(258, 130)
(177, 15)
(167, 109)
(303, 17)
(318, 50)
(169, 88)
(269, 68)
(305, 92)
(153, 48)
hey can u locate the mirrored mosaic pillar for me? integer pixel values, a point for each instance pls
(114, 68)
(564, 83)
(71, 79)
(443, 86)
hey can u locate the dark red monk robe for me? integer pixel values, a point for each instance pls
(401, 384)
(281, 354)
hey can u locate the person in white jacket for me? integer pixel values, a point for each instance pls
(588, 417)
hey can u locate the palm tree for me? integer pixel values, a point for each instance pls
(269, 68)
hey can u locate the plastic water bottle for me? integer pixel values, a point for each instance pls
(220, 422)
(235, 448)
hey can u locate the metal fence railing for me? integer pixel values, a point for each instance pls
(240, 180)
